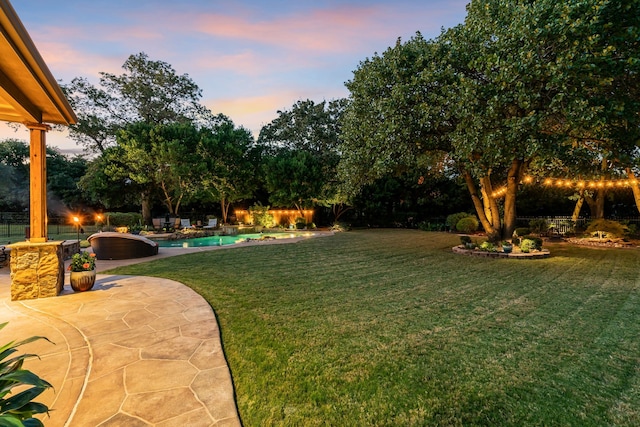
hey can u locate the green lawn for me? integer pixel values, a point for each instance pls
(389, 328)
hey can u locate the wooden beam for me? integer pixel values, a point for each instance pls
(26, 110)
(38, 183)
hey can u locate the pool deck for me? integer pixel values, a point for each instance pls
(134, 351)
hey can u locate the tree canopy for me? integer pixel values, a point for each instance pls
(515, 82)
(148, 91)
(302, 148)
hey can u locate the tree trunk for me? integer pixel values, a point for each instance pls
(225, 209)
(513, 180)
(596, 206)
(578, 207)
(338, 210)
(492, 233)
(599, 204)
(167, 198)
(145, 202)
(633, 182)
(485, 203)
(491, 207)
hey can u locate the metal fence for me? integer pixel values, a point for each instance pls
(566, 224)
(14, 226)
(557, 224)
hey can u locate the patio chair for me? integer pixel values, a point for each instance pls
(185, 223)
(213, 223)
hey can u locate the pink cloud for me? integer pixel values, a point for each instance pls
(67, 62)
(340, 29)
(253, 112)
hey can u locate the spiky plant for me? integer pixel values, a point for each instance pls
(18, 410)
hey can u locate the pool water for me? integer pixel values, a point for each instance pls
(224, 240)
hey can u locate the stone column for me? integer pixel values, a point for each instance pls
(37, 270)
(37, 266)
(38, 183)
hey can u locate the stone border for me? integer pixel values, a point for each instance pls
(601, 244)
(544, 253)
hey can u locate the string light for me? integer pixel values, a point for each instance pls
(580, 183)
(499, 192)
(572, 183)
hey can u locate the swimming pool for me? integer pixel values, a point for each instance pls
(226, 240)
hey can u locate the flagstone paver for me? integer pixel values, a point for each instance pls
(134, 351)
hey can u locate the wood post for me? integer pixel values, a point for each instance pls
(38, 182)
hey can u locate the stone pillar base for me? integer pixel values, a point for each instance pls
(37, 270)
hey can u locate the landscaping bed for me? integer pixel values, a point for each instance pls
(543, 253)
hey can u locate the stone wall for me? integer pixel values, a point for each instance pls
(37, 270)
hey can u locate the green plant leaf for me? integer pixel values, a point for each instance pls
(32, 422)
(25, 377)
(11, 421)
(21, 399)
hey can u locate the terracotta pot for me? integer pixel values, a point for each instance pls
(82, 280)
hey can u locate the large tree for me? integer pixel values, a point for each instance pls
(293, 178)
(148, 91)
(227, 173)
(312, 128)
(161, 158)
(510, 84)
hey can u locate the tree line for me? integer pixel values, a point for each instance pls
(520, 89)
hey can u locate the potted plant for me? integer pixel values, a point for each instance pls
(507, 247)
(83, 271)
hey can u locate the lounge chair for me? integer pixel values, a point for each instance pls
(111, 245)
(213, 223)
(185, 223)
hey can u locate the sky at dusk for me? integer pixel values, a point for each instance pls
(250, 58)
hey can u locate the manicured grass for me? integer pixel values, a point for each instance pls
(389, 328)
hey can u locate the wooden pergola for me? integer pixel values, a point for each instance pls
(29, 94)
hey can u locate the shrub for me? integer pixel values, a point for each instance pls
(465, 239)
(301, 223)
(527, 245)
(607, 228)
(467, 225)
(488, 246)
(452, 220)
(431, 226)
(521, 231)
(124, 219)
(260, 215)
(537, 241)
(340, 226)
(18, 410)
(633, 229)
(538, 226)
